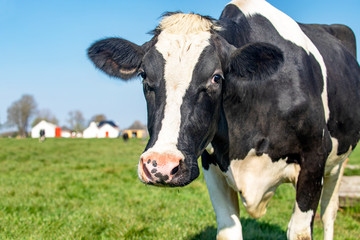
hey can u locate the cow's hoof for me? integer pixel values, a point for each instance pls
(229, 234)
(299, 236)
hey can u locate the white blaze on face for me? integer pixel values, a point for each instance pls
(290, 31)
(181, 47)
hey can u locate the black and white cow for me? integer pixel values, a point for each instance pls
(278, 101)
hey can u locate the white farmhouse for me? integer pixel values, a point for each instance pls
(92, 131)
(49, 129)
(105, 129)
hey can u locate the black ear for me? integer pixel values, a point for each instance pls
(117, 57)
(255, 61)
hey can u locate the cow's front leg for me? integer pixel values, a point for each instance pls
(225, 203)
(308, 191)
(330, 200)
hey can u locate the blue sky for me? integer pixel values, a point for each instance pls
(43, 48)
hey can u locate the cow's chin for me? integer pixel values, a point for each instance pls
(184, 176)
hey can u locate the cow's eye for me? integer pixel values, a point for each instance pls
(216, 79)
(142, 74)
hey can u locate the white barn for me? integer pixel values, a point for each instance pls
(49, 128)
(105, 129)
(92, 131)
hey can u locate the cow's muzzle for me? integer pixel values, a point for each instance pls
(164, 169)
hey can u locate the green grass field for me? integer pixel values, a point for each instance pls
(355, 161)
(88, 189)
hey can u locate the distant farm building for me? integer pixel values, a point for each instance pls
(91, 131)
(136, 130)
(104, 129)
(51, 130)
(66, 132)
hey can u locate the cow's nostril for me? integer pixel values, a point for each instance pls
(174, 170)
(146, 171)
(154, 163)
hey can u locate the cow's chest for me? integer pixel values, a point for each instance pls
(256, 179)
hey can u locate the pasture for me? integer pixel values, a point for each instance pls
(88, 189)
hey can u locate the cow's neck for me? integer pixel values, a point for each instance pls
(236, 31)
(220, 143)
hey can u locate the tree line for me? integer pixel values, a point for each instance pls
(20, 112)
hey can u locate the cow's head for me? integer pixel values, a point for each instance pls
(183, 69)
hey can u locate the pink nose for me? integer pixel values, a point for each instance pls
(158, 168)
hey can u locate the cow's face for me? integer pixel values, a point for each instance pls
(182, 69)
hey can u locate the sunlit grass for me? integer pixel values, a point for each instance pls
(88, 189)
(354, 161)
